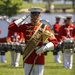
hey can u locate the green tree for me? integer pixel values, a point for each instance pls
(10, 7)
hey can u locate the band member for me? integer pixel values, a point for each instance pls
(64, 23)
(3, 37)
(67, 31)
(56, 27)
(15, 38)
(29, 30)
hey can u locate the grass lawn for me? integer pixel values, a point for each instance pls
(51, 68)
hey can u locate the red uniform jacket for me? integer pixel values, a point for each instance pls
(28, 30)
(56, 30)
(64, 31)
(3, 40)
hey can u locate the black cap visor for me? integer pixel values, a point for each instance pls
(35, 13)
(57, 18)
(68, 18)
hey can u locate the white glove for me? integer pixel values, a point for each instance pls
(19, 21)
(49, 46)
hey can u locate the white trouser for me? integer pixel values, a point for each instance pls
(15, 57)
(12, 57)
(3, 58)
(63, 59)
(37, 69)
(57, 57)
(68, 60)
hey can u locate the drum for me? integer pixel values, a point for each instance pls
(46, 22)
(3, 47)
(15, 47)
(46, 33)
(3, 33)
(3, 28)
(68, 45)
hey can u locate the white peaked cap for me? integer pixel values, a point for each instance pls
(36, 9)
(58, 16)
(69, 16)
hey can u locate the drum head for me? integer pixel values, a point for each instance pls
(45, 22)
(3, 28)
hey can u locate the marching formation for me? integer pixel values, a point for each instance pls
(29, 39)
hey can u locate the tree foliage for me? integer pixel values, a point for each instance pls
(10, 7)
